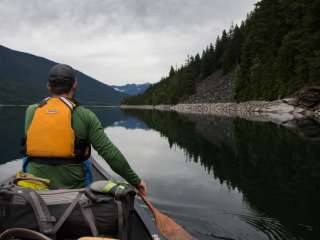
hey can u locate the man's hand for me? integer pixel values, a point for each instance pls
(142, 188)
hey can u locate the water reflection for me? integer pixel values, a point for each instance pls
(11, 132)
(218, 177)
(184, 191)
(277, 171)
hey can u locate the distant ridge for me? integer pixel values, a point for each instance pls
(23, 79)
(132, 89)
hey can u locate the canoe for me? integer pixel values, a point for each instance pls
(143, 226)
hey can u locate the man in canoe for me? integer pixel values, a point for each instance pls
(59, 134)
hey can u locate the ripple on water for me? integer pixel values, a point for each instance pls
(271, 227)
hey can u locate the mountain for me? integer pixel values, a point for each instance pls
(23, 79)
(270, 55)
(132, 89)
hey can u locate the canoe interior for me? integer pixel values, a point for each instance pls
(142, 225)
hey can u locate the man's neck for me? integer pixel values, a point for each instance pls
(63, 95)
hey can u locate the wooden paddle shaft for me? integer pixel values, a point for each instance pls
(149, 204)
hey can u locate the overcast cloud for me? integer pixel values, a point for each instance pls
(117, 41)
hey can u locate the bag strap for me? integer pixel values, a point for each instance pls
(89, 217)
(86, 213)
(44, 219)
(67, 213)
(121, 231)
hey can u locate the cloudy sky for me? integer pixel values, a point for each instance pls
(117, 41)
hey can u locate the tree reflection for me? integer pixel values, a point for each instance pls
(277, 170)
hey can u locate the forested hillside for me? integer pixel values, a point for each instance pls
(23, 79)
(272, 54)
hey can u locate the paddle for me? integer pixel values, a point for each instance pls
(167, 226)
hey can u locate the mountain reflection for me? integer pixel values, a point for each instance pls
(115, 117)
(277, 170)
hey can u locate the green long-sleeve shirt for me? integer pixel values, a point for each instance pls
(86, 126)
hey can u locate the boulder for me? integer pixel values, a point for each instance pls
(279, 108)
(308, 97)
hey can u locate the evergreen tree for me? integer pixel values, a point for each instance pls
(172, 72)
(273, 53)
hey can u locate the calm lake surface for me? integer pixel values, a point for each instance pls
(220, 178)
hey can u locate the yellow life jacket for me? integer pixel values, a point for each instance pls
(50, 133)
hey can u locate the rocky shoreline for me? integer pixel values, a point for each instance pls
(280, 112)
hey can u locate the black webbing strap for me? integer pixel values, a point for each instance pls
(54, 161)
(121, 233)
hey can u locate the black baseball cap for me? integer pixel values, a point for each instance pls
(61, 78)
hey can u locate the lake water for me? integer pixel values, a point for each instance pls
(220, 178)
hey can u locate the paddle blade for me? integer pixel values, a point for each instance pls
(169, 228)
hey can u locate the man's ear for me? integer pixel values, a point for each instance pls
(73, 89)
(74, 86)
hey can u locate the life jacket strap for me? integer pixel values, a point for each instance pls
(68, 102)
(54, 161)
